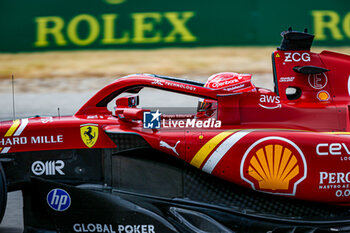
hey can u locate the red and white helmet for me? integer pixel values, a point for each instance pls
(227, 81)
(230, 81)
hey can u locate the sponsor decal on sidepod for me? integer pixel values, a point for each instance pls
(275, 165)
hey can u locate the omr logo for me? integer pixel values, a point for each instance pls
(58, 199)
(274, 165)
(48, 168)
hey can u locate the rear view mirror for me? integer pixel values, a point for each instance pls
(128, 101)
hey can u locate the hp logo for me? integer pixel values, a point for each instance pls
(58, 199)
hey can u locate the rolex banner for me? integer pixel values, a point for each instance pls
(40, 25)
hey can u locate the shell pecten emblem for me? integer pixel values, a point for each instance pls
(275, 165)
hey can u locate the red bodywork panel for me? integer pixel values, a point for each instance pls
(292, 145)
(50, 133)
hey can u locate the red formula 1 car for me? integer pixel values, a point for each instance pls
(247, 160)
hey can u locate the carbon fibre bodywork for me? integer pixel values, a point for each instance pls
(175, 197)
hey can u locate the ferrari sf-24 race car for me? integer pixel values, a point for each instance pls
(247, 160)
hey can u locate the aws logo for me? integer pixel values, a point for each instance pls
(274, 165)
(270, 102)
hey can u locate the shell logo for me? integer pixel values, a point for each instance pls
(274, 165)
(323, 96)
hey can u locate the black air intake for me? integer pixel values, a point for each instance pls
(294, 40)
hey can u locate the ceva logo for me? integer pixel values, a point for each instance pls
(58, 199)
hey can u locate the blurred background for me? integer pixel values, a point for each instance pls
(62, 52)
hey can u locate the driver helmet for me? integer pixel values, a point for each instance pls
(228, 81)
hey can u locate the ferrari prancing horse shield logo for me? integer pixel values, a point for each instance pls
(89, 134)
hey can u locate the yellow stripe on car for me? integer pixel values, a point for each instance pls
(203, 153)
(13, 128)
